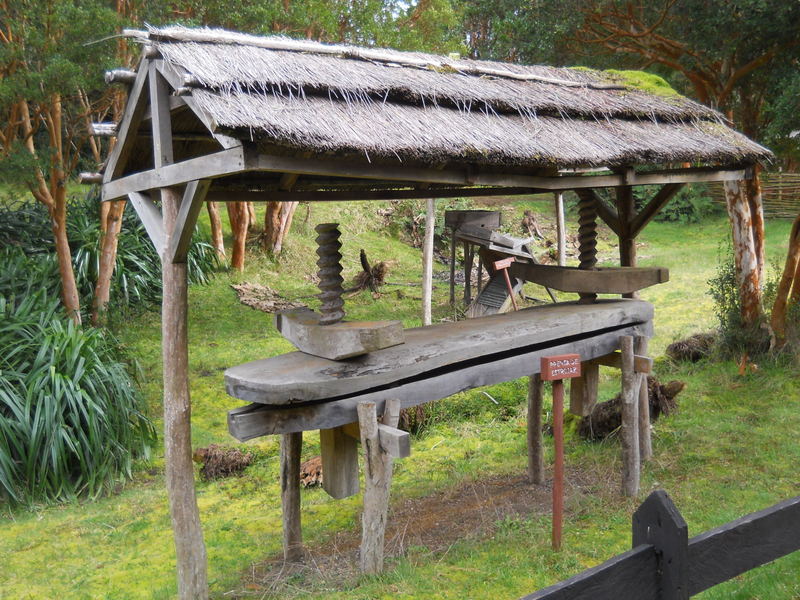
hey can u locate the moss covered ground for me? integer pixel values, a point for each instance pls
(731, 449)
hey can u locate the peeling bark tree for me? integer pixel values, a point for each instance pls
(744, 251)
(788, 292)
(216, 229)
(240, 221)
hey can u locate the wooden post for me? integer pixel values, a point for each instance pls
(452, 266)
(339, 454)
(377, 482)
(561, 230)
(190, 549)
(744, 251)
(645, 442)
(468, 256)
(535, 452)
(427, 261)
(583, 389)
(629, 434)
(626, 209)
(291, 448)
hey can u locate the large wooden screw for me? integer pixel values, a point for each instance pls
(330, 273)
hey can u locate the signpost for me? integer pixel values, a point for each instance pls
(556, 369)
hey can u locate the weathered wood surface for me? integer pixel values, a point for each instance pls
(297, 377)
(583, 390)
(605, 280)
(756, 539)
(535, 450)
(645, 433)
(561, 230)
(629, 433)
(291, 448)
(427, 260)
(480, 218)
(629, 575)
(256, 420)
(377, 482)
(151, 218)
(181, 239)
(339, 454)
(336, 341)
(641, 364)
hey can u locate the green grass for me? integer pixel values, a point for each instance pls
(730, 450)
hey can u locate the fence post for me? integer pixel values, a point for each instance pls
(659, 523)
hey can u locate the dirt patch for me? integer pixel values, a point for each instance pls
(263, 298)
(431, 524)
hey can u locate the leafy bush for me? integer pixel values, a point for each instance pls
(71, 419)
(691, 204)
(137, 275)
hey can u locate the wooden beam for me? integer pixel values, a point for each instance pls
(123, 76)
(339, 463)
(222, 195)
(629, 431)
(599, 280)
(192, 202)
(607, 213)
(161, 121)
(108, 129)
(659, 201)
(151, 218)
(175, 104)
(535, 450)
(128, 124)
(641, 364)
(291, 448)
(210, 166)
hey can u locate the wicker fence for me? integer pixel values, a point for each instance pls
(780, 192)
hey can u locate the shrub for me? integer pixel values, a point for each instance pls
(71, 419)
(691, 204)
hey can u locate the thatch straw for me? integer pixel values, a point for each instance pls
(342, 99)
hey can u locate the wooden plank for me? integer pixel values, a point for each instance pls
(490, 219)
(291, 448)
(255, 420)
(599, 280)
(210, 166)
(151, 218)
(191, 204)
(297, 377)
(394, 442)
(641, 364)
(128, 124)
(561, 230)
(645, 430)
(746, 543)
(607, 213)
(628, 575)
(390, 193)
(629, 431)
(339, 454)
(427, 260)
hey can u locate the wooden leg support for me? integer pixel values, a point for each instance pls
(631, 382)
(583, 389)
(291, 447)
(535, 452)
(645, 442)
(377, 481)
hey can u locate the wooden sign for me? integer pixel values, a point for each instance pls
(562, 366)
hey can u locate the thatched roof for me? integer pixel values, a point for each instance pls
(412, 107)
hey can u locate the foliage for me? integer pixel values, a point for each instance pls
(691, 204)
(137, 275)
(735, 338)
(646, 82)
(71, 419)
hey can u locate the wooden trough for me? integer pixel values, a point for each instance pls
(297, 392)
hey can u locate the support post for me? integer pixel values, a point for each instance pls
(645, 441)
(468, 256)
(587, 235)
(452, 266)
(377, 482)
(561, 230)
(535, 451)
(626, 209)
(291, 448)
(558, 466)
(427, 260)
(629, 434)
(583, 389)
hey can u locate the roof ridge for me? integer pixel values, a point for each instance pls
(179, 33)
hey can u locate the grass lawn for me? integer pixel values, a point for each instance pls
(731, 449)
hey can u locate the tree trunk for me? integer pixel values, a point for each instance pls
(239, 217)
(216, 229)
(287, 214)
(756, 205)
(744, 250)
(108, 258)
(788, 286)
(69, 288)
(272, 226)
(189, 546)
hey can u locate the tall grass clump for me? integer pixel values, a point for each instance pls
(71, 419)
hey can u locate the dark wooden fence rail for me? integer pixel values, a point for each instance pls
(665, 565)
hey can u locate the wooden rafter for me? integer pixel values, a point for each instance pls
(192, 202)
(659, 201)
(126, 132)
(151, 218)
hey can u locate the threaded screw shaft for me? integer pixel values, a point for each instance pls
(587, 230)
(330, 269)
